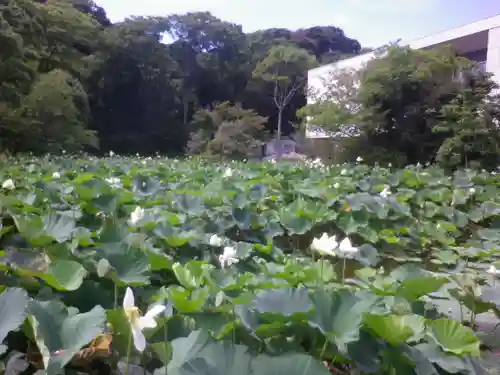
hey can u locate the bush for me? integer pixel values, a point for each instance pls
(229, 132)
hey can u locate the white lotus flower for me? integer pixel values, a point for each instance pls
(472, 190)
(111, 154)
(138, 322)
(316, 163)
(359, 159)
(228, 172)
(325, 245)
(346, 247)
(56, 175)
(228, 257)
(343, 172)
(386, 192)
(493, 270)
(215, 241)
(136, 215)
(336, 185)
(114, 182)
(8, 184)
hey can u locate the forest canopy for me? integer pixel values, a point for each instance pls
(73, 80)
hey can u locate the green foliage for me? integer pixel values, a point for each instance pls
(227, 131)
(44, 105)
(53, 115)
(140, 93)
(335, 108)
(70, 37)
(226, 248)
(284, 71)
(143, 115)
(413, 106)
(283, 65)
(470, 122)
(326, 43)
(18, 51)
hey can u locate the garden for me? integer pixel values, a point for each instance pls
(135, 265)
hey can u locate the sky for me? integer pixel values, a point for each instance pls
(372, 22)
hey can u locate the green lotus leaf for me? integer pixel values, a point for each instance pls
(13, 303)
(288, 364)
(191, 274)
(338, 315)
(453, 337)
(286, 301)
(413, 289)
(396, 329)
(61, 332)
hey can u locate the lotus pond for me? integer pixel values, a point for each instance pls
(158, 266)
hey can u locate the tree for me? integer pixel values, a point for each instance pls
(285, 69)
(48, 50)
(408, 104)
(134, 100)
(215, 51)
(142, 92)
(471, 124)
(334, 106)
(18, 51)
(91, 8)
(327, 43)
(227, 131)
(332, 110)
(53, 116)
(188, 74)
(71, 37)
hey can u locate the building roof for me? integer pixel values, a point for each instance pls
(427, 41)
(456, 33)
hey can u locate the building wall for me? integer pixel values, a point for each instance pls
(478, 56)
(316, 76)
(493, 56)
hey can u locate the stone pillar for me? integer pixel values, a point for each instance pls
(493, 55)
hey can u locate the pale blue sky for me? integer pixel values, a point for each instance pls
(372, 22)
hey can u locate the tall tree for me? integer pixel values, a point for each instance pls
(326, 43)
(285, 70)
(142, 92)
(417, 106)
(221, 56)
(134, 100)
(470, 122)
(91, 8)
(53, 116)
(71, 37)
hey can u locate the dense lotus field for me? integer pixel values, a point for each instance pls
(157, 266)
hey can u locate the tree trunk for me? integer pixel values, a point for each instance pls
(185, 107)
(278, 133)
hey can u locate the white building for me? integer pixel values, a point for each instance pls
(478, 41)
